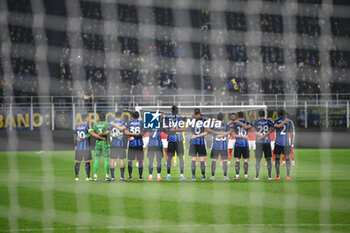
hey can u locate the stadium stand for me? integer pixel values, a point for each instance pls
(153, 63)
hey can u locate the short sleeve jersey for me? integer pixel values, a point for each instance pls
(197, 131)
(155, 139)
(241, 131)
(263, 126)
(100, 127)
(135, 126)
(83, 137)
(220, 143)
(116, 135)
(282, 138)
(172, 122)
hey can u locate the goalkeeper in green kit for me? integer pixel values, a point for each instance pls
(102, 146)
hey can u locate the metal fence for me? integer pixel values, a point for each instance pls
(130, 101)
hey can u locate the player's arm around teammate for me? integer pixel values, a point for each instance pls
(120, 127)
(280, 125)
(95, 135)
(240, 136)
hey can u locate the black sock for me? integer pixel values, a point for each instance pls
(257, 167)
(203, 168)
(150, 169)
(182, 164)
(245, 166)
(141, 169)
(277, 167)
(122, 169)
(168, 165)
(288, 166)
(213, 167)
(112, 172)
(77, 168)
(159, 165)
(150, 164)
(193, 166)
(238, 167)
(224, 166)
(87, 169)
(269, 167)
(130, 168)
(159, 168)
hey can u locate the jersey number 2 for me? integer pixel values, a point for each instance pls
(283, 130)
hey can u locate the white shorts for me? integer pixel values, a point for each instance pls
(272, 145)
(145, 142)
(231, 143)
(165, 143)
(252, 145)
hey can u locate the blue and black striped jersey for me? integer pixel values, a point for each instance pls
(83, 137)
(263, 126)
(116, 136)
(282, 138)
(135, 126)
(241, 131)
(220, 143)
(196, 131)
(172, 122)
(155, 138)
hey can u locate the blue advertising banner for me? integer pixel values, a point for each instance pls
(316, 117)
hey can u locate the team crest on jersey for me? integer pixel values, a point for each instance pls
(151, 120)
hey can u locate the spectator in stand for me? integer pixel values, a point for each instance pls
(135, 52)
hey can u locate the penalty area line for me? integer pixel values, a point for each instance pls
(176, 226)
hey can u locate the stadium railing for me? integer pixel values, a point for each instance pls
(130, 101)
(60, 112)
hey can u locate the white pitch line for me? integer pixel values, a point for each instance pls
(176, 226)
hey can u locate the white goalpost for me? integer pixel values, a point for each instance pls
(206, 109)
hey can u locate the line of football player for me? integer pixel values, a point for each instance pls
(115, 139)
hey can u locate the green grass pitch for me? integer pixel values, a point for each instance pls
(38, 194)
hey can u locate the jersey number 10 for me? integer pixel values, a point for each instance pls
(81, 135)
